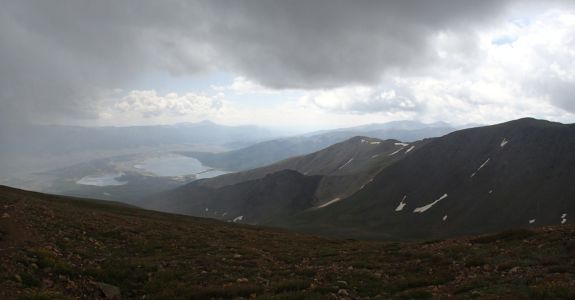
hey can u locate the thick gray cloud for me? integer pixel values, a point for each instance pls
(58, 56)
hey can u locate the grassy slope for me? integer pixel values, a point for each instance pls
(56, 247)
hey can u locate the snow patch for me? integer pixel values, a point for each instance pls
(370, 142)
(531, 221)
(207, 209)
(401, 204)
(490, 191)
(430, 205)
(369, 181)
(410, 148)
(347, 163)
(444, 218)
(401, 144)
(374, 156)
(503, 143)
(563, 218)
(394, 153)
(332, 201)
(480, 167)
(237, 219)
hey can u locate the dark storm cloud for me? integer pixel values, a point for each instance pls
(56, 57)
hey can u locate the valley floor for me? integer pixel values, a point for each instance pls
(54, 247)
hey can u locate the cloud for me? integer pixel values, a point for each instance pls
(244, 86)
(56, 56)
(362, 100)
(147, 105)
(532, 73)
(59, 58)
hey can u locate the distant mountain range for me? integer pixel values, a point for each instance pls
(515, 174)
(269, 152)
(41, 147)
(55, 139)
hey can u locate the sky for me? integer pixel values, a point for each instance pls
(301, 65)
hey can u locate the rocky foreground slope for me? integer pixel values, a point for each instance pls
(54, 247)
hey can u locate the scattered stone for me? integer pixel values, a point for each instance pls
(343, 292)
(242, 280)
(237, 256)
(111, 292)
(47, 283)
(350, 268)
(18, 278)
(342, 282)
(5, 216)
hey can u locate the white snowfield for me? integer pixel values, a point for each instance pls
(394, 153)
(237, 219)
(480, 167)
(401, 204)
(401, 144)
(347, 163)
(563, 218)
(444, 218)
(332, 201)
(503, 143)
(410, 148)
(370, 142)
(531, 221)
(430, 205)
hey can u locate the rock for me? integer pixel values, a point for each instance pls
(242, 280)
(47, 283)
(350, 268)
(514, 270)
(18, 278)
(111, 292)
(237, 256)
(5, 216)
(343, 292)
(342, 282)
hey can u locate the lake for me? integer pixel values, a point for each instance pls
(177, 165)
(102, 180)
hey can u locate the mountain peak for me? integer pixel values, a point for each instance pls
(528, 121)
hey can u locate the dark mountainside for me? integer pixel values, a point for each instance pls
(256, 201)
(55, 247)
(269, 152)
(339, 171)
(515, 174)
